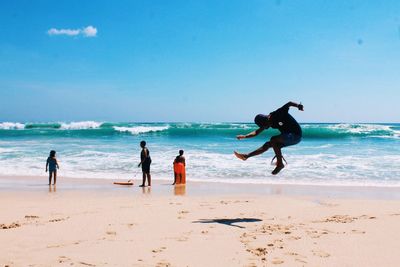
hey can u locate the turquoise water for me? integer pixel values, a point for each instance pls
(340, 154)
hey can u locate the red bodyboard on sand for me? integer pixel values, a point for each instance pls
(123, 183)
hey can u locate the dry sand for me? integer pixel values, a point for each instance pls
(135, 227)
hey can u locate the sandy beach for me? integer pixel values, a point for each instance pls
(98, 224)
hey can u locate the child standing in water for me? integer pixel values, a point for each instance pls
(52, 166)
(145, 162)
(179, 169)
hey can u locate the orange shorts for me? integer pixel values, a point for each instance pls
(179, 168)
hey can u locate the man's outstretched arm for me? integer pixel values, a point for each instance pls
(293, 104)
(252, 134)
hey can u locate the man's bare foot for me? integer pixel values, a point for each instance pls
(240, 156)
(278, 168)
(142, 185)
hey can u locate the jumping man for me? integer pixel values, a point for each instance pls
(279, 119)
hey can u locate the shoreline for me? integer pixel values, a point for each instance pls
(196, 188)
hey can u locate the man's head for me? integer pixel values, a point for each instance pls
(52, 154)
(181, 152)
(262, 121)
(142, 144)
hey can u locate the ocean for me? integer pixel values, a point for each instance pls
(329, 154)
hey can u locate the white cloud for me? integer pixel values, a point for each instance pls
(88, 31)
(69, 32)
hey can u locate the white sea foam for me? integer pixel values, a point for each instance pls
(141, 129)
(322, 168)
(6, 150)
(214, 167)
(360, 128)
(11, 126)
(81, 125)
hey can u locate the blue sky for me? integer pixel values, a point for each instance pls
(199, 60)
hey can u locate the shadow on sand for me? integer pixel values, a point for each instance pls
(230, 222)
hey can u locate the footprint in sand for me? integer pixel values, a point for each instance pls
(62, 259)
(315, 233)
(298, 257)
(273, 228)
(300, 260)
(163, 264)
(294, 237)
(10, 226)
(357, 231)
(183, 238)
(241, 201)
(54, 246)
(277, 261)
(58, 219)
(111, 233)
(366, 217)
(31, 217)
(65, 244)
(339, 219)
(259, 251)
(159, 250)
(86, 264)
(321, 253)
(344, 218)
(183, 212)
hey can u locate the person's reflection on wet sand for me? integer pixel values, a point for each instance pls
(146, 190)
(180, 190)
(52, 188)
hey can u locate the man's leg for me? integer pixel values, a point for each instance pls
(256, 152)
(276, 143)
(149, 178)
(143, 179)
(174, 178)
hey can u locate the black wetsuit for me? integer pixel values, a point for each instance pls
(281, 119)
(146, 161)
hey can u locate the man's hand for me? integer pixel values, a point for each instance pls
(46, 170)
(300, 107)
(240, 137)
(139, 164)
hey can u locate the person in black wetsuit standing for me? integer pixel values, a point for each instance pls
(279, 119)
(145, 162)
